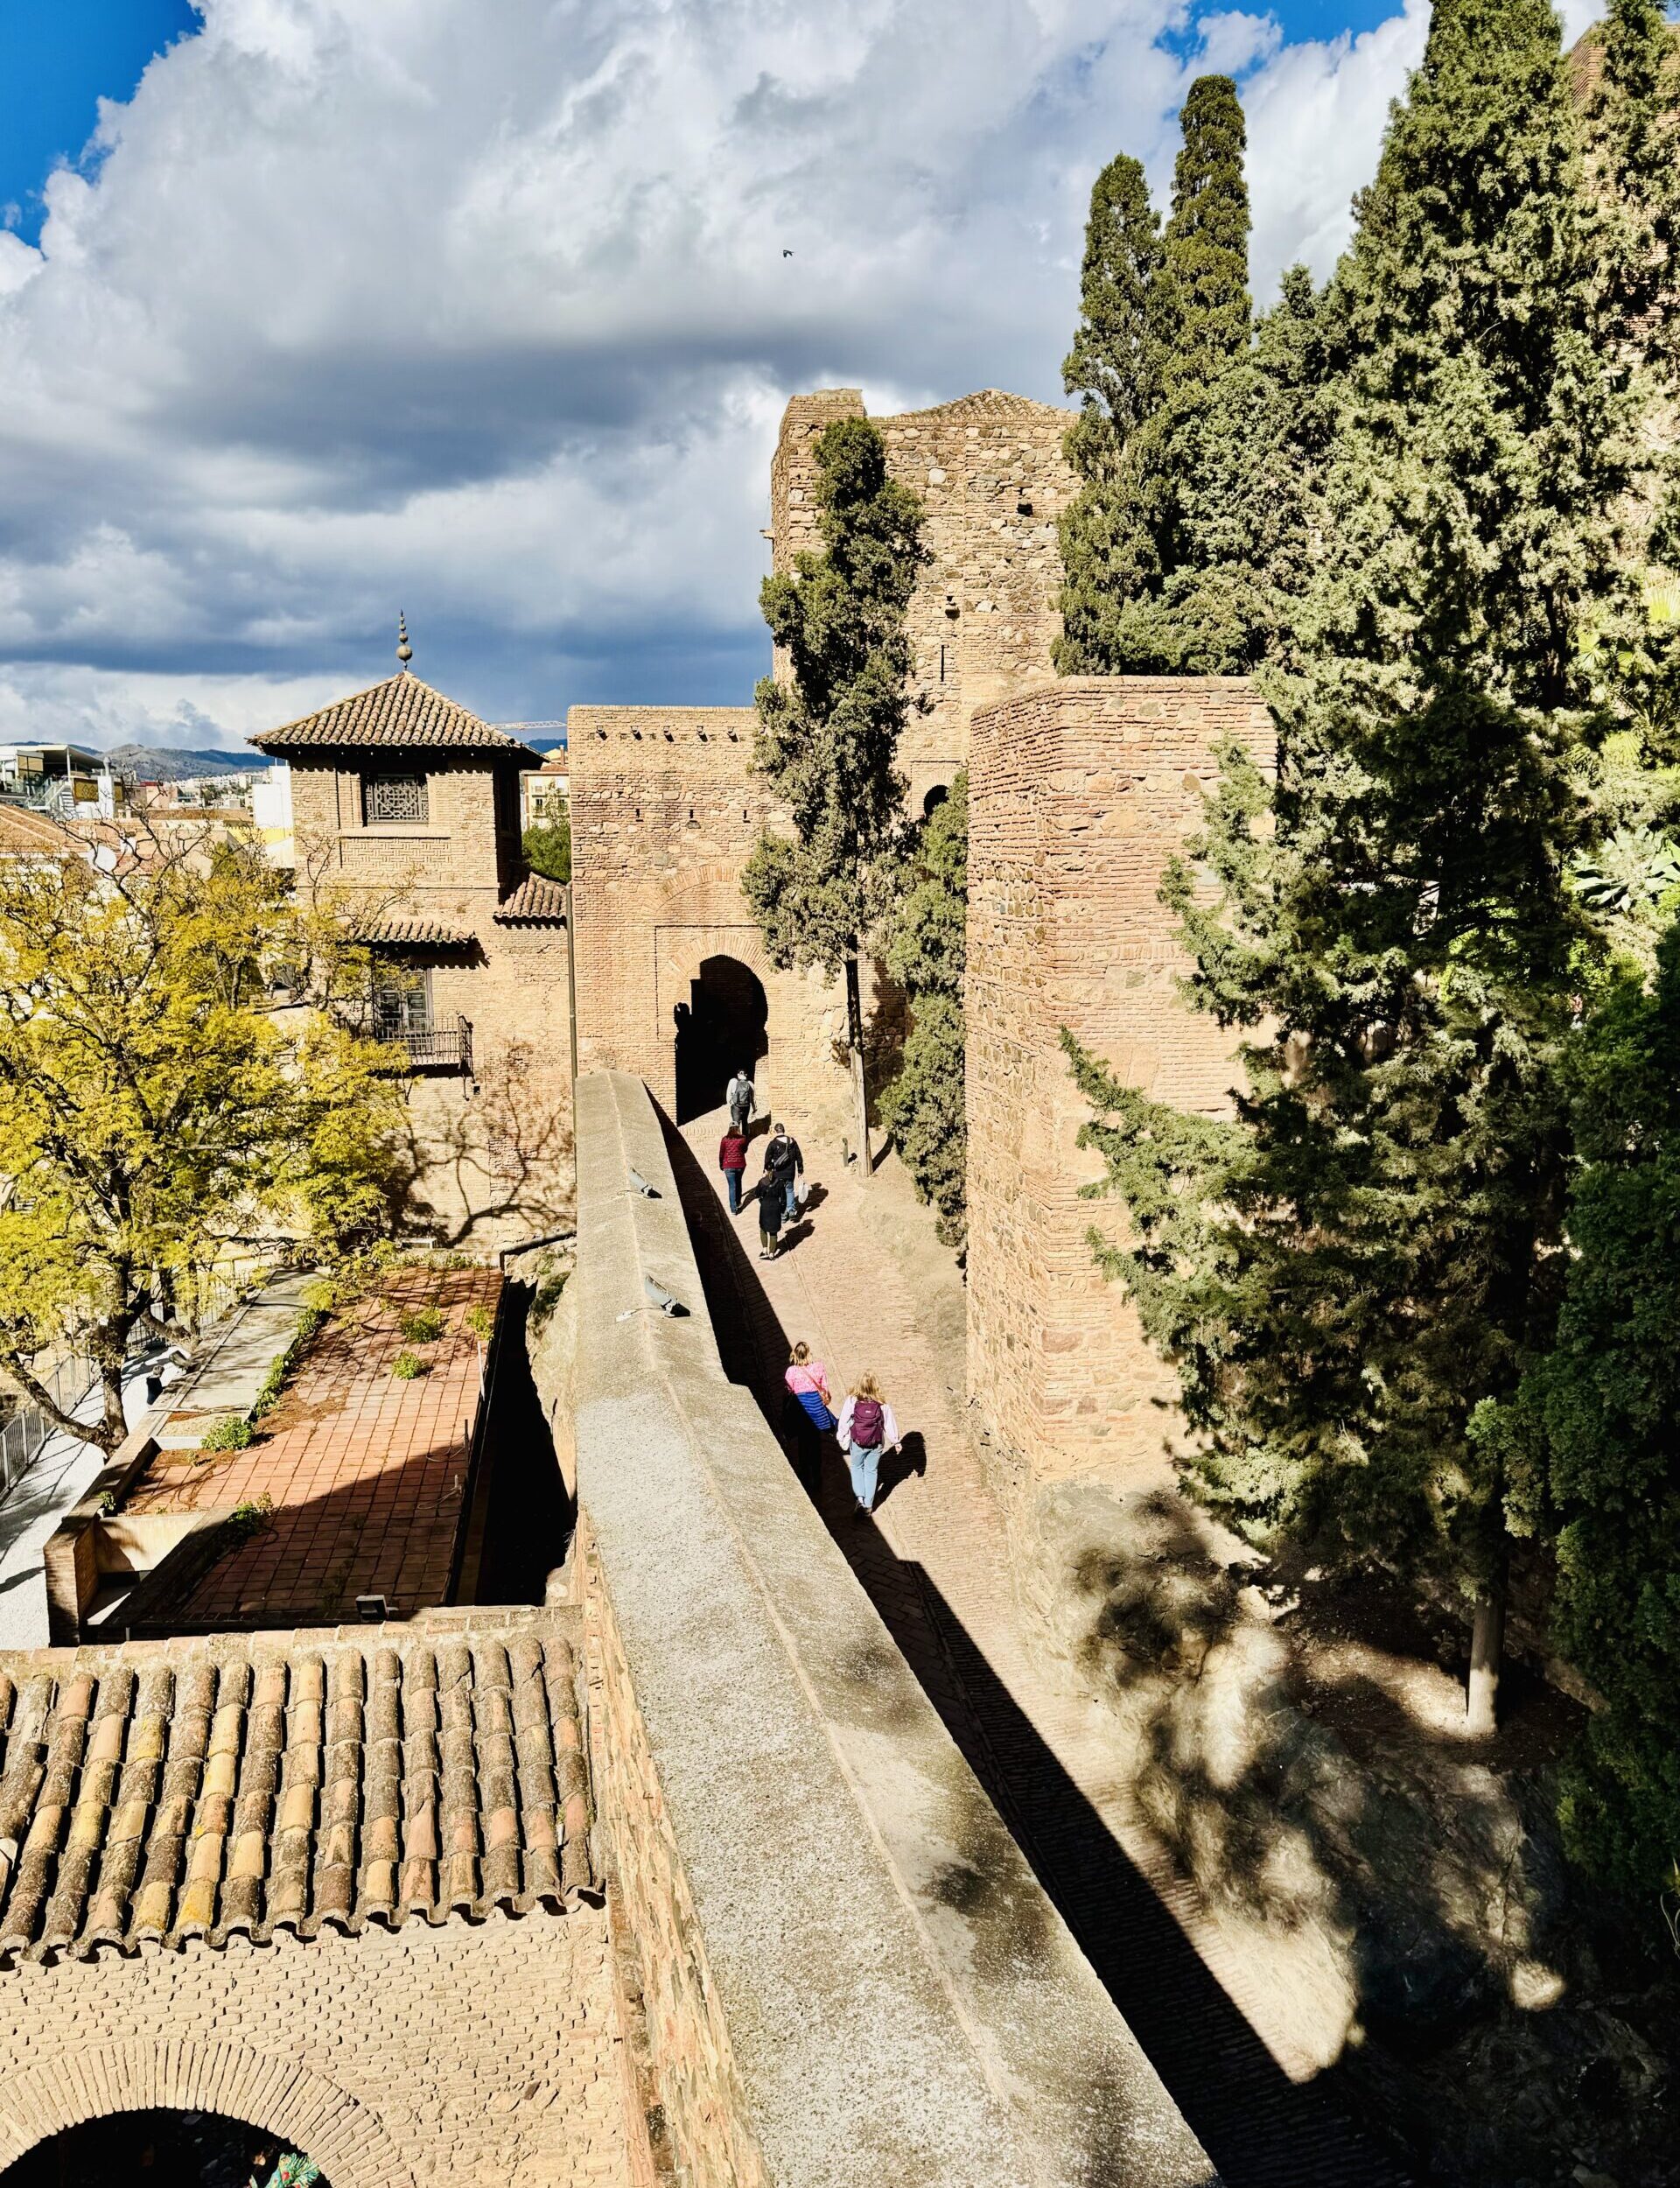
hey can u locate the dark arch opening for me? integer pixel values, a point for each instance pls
(719, 1030)
(935, 798)
(184, 2150)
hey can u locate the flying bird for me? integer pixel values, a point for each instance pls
(786, 254)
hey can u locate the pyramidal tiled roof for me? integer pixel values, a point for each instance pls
(402, 711)
(151, 1793)
(537, 899)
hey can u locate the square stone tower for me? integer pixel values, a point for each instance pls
(1081, 791)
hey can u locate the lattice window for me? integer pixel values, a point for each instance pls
(393, 797)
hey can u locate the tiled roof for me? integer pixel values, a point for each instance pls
(534, 900)
(152, 1793)
(398, 713)
(436, 932)
(985, 403)
(23, 832)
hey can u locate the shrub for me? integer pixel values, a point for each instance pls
(424, 1324)
(547, 850)
(406, 1366)
(548, 1297)
(248, 1519)
(232, 1434)
(479, 1322)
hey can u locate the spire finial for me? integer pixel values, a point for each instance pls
(404, 651)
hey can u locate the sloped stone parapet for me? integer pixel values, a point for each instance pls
(849, 1974)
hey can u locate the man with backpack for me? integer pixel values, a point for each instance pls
(783, 1164)
(865, 1429)
(740, 1096)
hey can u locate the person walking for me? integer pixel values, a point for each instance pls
(807, 1404)
(773, 1213)
(866, 1428)
(784, 1165)
(740, 1097)
(732, 1160)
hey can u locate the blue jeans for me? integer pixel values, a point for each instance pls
(734, 1177)
(793, 1197)
(865, 1465)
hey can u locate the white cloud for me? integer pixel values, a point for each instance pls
(485, 312)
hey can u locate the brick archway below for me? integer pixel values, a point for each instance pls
(346, 2140)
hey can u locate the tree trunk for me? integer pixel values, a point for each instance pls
(855, 1041)
(1486, 1645)
(105, 1433)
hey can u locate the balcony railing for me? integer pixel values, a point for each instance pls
(440, 1049)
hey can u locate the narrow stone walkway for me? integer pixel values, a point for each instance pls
(935, 1562)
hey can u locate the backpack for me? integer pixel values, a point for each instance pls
(866, 1421)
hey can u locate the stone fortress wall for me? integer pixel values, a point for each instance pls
(665, 812)
(665, 806)
(992, 478)
(1081, 790)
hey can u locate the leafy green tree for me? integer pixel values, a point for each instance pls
(1372, 1247)
(829, 735)
(1590, 1440)
(548, 849)
(926, 951)
(157, 1106)
(1132, 530)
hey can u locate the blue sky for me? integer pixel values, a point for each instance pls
(58, 59)
(480, 308)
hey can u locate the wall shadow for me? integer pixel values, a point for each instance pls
(529, 1514)
(1261, 2129)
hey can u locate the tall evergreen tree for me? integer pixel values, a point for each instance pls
(1591, 1443)
(1372, 1247)
(1124, 539)
(927, 950)
(828, 737)
(1110, 367)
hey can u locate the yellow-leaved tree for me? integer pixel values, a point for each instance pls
(180, 1075)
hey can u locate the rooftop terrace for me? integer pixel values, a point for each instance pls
(356, 1482)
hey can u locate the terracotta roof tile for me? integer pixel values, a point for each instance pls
(534, 900)
(398, 713)
(423, 929)
(156, 1791)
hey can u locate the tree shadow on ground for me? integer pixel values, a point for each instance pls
(1408, 1886)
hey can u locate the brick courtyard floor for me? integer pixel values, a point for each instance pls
(935, 1560)
(366, 1472)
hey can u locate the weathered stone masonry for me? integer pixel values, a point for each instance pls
(1082, 790)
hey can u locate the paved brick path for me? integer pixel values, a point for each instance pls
(365, 1471)
(935, 1562)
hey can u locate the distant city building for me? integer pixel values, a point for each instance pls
(271, 815)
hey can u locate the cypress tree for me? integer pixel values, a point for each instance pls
(1591, 1443)
(1372, 1247)
(1124, 549)
(828, 739)
(1108, 367)
(926, 951)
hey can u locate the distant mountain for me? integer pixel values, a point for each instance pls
(175, 763)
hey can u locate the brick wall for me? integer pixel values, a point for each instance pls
(665, 811)
(680, 2073)
(493, 1153)
(992, 478)
(468, 2053)
(1080, 792)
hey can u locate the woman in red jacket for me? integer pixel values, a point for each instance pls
(731, 1159)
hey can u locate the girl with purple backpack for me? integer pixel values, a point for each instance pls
(867, 1429)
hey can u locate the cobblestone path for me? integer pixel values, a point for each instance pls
(933, 1561)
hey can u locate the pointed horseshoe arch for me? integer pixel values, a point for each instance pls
(346, 2141)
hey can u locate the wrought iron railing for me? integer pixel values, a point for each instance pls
(441, 1049)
